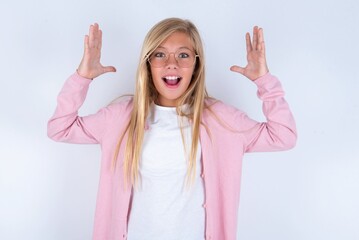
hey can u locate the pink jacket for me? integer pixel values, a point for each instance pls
(222, 152)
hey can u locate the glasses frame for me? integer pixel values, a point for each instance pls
(148, 57)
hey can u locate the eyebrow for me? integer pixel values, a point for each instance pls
(184, 47)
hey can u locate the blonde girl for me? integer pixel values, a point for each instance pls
(171, 155)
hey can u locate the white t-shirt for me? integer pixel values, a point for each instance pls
(162, 206)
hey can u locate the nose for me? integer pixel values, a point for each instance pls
(172, 61)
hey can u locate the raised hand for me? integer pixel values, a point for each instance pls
(90, 66)
(257, 65)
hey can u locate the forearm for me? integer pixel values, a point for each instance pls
(279, 131)
(65, 125)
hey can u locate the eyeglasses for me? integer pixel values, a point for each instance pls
(185, 58)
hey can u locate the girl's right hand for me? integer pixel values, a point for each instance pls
(90, 66)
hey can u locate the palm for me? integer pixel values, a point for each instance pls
(90, 66)
(257, 65)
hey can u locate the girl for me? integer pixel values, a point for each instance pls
(171, 155)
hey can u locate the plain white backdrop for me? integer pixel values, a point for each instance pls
(48, 190)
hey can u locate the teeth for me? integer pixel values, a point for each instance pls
(171, 77)
(172, 80)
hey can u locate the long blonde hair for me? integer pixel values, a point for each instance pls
(146, 93)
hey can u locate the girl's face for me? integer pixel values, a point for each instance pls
(172, 66)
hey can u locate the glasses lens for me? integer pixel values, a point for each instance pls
(184, 58)
(158, 58)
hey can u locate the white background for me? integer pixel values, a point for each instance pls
(48, 190)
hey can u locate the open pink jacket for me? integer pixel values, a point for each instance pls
(222, 152)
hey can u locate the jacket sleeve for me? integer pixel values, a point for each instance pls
(279, 131)
(65, 125)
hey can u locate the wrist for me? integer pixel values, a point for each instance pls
(81, 74)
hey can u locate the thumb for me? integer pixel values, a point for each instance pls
(237, 69)
(109, 69)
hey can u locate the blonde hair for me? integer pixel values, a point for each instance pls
(146, 93)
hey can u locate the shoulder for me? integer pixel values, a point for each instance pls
(223, 115)
(219, 107)
(120, 106)
(122, 102)
(216, 111)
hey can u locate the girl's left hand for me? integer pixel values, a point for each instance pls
(257, 65)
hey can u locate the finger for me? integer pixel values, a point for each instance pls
(248, 43)
(263, 48)
(109, 69)
(255, 38)
(99, 44)
(260, 35)
(237, 69)
(91, 36)
(260, 39)
(86, 42)
(96, 31)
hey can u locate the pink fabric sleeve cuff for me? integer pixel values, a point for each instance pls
(263, 79)
(80, 80)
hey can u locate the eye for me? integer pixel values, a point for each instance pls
(159, 55)
(183, 55)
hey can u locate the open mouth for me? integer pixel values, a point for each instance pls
(172, 81)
